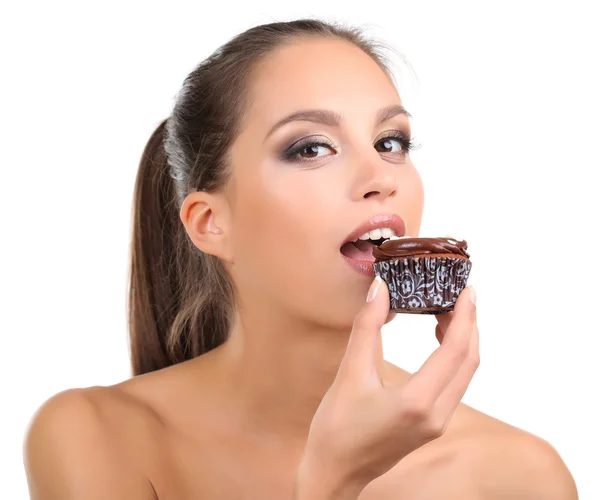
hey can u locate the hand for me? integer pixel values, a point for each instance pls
(367, 423)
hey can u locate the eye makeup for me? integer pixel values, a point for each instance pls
(291, 153)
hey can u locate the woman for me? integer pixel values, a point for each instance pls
(258, 363)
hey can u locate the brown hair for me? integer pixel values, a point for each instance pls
(181, 300)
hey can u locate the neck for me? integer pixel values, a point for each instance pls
(277, 370)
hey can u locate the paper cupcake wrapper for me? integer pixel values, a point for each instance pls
(424, 285)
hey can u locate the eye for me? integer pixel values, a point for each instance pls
(388, 144)
(307, 150)
(311, 151)
(404, 144)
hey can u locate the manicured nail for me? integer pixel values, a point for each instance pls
(472, 295)
(373, 289)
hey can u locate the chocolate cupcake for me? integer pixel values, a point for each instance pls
(424, 275)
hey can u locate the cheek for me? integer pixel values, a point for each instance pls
(280, 234)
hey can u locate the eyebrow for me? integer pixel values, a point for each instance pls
(333, 119)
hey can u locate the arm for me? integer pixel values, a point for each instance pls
(69, 454)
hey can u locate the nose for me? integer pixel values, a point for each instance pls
(375, 179)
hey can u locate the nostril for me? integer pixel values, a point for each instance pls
(371, 193)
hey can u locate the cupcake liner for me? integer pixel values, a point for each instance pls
(424, 285)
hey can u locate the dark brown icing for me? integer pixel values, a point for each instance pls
(407, 247)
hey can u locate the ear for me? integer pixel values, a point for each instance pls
(206, 220)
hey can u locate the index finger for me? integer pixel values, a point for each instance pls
(364, 351)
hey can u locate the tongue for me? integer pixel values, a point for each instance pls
(359, 250)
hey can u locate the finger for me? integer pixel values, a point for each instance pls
(444, 319)
(391, 315)
(453, 394)
(444, 363)
(364, 352)
(439, 333)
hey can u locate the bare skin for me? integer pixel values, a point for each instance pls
(233, 422)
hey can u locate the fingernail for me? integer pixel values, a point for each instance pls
(373, 289)
(472, 295)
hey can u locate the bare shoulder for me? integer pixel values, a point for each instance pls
(514, 464)
(508, 462)
(81, 443)
(505, 462)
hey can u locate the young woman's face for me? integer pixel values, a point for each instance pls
(293, 202)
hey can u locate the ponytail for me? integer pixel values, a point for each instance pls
(179, 299)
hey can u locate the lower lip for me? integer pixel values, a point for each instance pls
(362, 266)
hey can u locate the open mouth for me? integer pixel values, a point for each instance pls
(362, 248)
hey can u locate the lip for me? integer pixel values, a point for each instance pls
(392, 221)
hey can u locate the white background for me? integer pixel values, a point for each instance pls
(505, 99)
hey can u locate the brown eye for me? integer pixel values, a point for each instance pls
(404, 143)
(307, 151)
(312, 151)
(388, 144)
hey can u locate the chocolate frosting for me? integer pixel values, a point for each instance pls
(407, 247)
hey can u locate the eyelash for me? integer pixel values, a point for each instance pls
(290, 154)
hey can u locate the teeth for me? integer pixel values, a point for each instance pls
(377, 234)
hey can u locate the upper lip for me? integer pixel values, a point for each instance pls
(393, 221)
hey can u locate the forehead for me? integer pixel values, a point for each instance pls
(317, 72)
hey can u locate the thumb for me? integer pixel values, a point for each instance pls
(465, 312)
(364, 352)
(459, 326)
